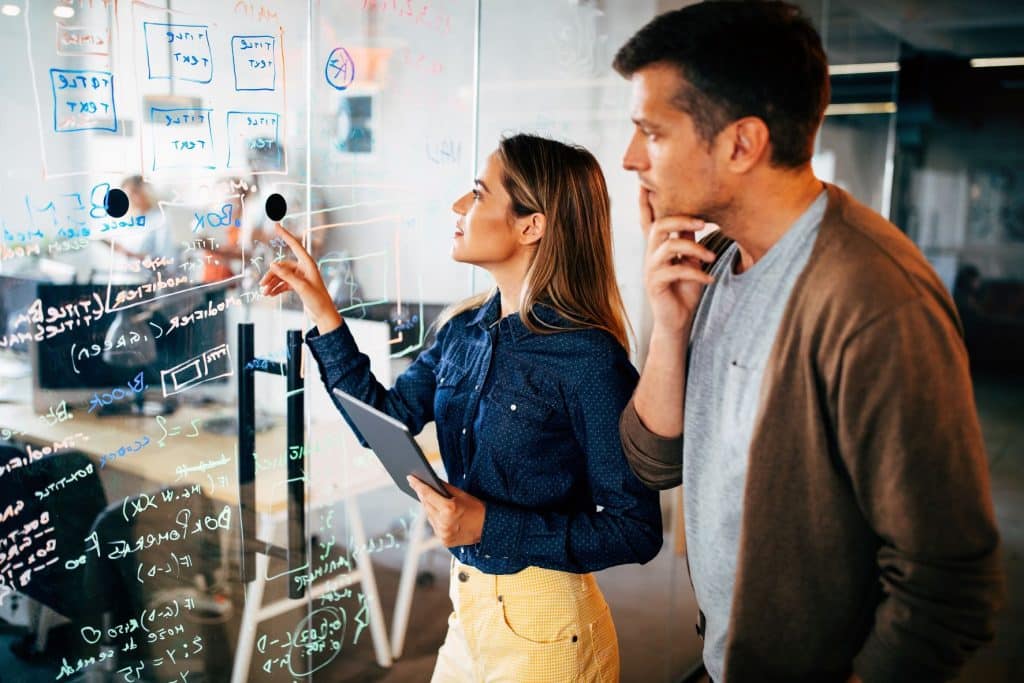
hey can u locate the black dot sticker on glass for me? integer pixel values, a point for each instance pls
(276, 207)
(116, 203)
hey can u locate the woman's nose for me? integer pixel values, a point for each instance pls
(460, 204)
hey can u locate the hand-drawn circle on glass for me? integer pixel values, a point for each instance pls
(328, 635)
(116, 203)
(276, 207)
(340, 70)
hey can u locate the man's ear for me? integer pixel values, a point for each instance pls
(531, 228)
(746, 143)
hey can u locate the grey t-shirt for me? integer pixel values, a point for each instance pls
(733, 332)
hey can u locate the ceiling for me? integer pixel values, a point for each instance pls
(858, 31)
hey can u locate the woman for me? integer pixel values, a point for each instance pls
(526, 386)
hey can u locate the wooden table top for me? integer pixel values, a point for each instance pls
(178, 451)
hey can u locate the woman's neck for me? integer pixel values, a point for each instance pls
(510, 278)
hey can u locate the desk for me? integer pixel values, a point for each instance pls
(338, 470)
(331, 478)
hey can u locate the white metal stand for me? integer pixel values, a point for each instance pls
(256, 612)
(418, 545)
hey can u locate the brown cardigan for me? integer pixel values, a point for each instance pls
(868, 541)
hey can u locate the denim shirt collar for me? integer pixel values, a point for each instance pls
(489, 314)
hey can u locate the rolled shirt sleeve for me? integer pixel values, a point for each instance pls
(343, 366)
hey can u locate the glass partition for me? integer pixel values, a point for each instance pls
(179, 498)
(391, 134)
(141, 142)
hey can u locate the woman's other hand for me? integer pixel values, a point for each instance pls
(302, 276)
(458, 520)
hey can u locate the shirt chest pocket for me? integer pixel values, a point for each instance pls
(741, 399)
(515, 424)
(527, 440)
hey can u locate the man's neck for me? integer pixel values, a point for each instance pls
(767, 209)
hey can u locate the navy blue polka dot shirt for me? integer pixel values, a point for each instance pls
(528, 423)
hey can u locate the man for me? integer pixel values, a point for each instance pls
(806, 379)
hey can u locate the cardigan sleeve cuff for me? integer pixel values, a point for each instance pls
(656, 460)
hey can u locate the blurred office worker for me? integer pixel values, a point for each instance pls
(806, 381)
(147, 237)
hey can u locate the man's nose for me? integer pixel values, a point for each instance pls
(635, 158)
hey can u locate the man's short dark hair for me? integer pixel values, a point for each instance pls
(741, 58)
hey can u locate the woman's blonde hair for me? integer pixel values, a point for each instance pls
(572, 269)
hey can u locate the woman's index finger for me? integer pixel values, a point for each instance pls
(293, 243)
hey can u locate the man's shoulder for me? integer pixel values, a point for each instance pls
(863, 266)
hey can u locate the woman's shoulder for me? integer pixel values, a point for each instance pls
(582, 336)
(589, 352)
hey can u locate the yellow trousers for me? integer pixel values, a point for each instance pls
(537, 626)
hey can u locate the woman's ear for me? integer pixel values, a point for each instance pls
(531, 228)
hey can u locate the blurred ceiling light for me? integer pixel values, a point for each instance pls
(984, 62)
(63, 12)
(851, 108)
(10, 10)
(867, 68)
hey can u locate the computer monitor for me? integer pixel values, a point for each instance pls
(73, 366)
(16, 295)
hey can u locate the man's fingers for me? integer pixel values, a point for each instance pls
(679, 248)
(646, 210)
(662, 228)
(682, 272)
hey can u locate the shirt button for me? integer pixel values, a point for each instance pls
(463, 431)
(463, 577)
(476, 388)
(513, 406)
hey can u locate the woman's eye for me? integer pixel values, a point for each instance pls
(476, 195)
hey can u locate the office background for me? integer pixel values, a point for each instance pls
(119, 370)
